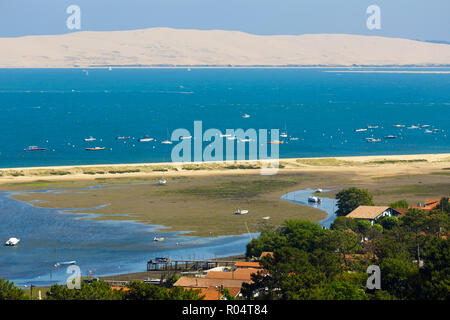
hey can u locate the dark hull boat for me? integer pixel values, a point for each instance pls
(34, 148)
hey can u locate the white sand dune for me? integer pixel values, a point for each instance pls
(165, 46)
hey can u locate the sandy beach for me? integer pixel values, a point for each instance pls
(380, 164)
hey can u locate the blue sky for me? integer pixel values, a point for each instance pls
(414, 19)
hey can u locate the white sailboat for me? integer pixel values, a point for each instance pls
(146, 139)
(168, 139)
(11, 242)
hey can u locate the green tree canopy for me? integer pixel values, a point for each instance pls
(400, 204)
(351, 198)
(10, 292)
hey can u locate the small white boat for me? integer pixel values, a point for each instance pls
(232, 138)
(319, 190)
(246, 140)
(146, 139)
(428, 131)
(266, 218)
(373, 140)
(239, 211)
(245, 116)
(372, 127)
(65, 263)
(186, 138)
(91, 138)
(390, 136)
(166, 142)
(314, 199)
(122, 138)
(425, 126)
(158, 239)
(398, 125)
(412, 127)
(12, 242)
(360, 130)
(224, 135)
(162, 181)
(283, 135)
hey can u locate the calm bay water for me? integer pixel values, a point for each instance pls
(100, 248)
(57, 109)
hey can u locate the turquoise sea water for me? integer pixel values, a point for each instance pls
(58, 109)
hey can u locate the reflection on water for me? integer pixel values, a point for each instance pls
(328, 205)
(99, 247)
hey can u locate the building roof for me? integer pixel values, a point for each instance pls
(430, 204)
(238, 274)
(266, 253)
(245, 264)
(197, 283)
(367, 212)
(212, 293)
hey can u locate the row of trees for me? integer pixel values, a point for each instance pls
(101, 290)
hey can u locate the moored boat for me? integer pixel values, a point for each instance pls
(34, 148)
(65, 263)
(95, 149)
(11, 242)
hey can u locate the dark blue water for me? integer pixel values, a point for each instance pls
(99, 248)
(57, 109)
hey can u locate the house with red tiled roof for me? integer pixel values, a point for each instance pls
(430, 204)
(248, 264)
(212, 287)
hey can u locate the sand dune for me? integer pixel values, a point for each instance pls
(165, 46)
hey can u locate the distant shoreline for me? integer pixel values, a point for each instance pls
(387, 163)
(240, 67)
